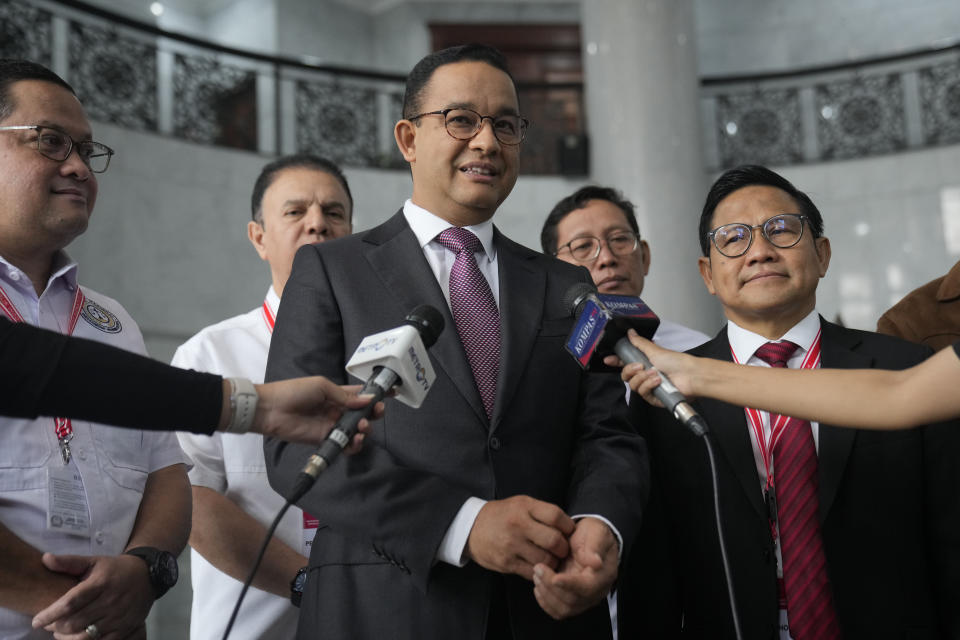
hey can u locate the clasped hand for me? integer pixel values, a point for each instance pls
(572, 564)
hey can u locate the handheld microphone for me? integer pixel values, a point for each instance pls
(601, 330)
(396, 358)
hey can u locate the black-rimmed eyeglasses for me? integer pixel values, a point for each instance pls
(57, 145)
(587, 248)
(464, 124)
(782, 231)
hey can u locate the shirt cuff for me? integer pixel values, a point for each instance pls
(454, 541)
(612, 528)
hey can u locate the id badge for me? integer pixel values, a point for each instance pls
(67, 510)
(310, 525)
(783, 621)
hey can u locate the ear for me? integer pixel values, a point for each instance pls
(405, 133)
(706, 272)
(822, 247)
(255, 233)
(646, 256)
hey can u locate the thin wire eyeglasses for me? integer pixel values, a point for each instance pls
(57, 145)
(782, 231)
(587, 248)
(464, 124)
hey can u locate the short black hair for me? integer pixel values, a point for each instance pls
(296, 161)
(14, 70)
(749, 175)
(578, 200)
(423, 71)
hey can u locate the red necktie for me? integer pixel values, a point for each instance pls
(474, 312)
(810, 610)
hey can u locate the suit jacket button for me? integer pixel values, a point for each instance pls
(767, 555)
(495, 443)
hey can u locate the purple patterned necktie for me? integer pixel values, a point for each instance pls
(810, 610)
(474, 312)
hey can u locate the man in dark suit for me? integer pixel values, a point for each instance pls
(872, 550)
(499, 507)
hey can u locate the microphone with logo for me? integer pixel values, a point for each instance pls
(393, 359)
(601, 330)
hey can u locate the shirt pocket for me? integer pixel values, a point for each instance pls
(26, 447)
(123, 455)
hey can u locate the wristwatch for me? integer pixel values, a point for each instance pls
(296, 586)
(161, 568)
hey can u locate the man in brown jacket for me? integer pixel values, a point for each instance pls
(929, 314)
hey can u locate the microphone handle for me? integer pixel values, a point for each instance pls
(666, 392)
(339, 437)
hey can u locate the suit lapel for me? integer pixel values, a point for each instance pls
(522, 289)
(396, 257)
(728, 423)
(835, 443)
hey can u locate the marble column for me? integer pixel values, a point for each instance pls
(642, 105)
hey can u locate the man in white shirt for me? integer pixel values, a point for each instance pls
(117, 500)
(830, 532)
(296, 200)
(596, 227)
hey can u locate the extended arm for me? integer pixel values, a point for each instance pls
(861, 398)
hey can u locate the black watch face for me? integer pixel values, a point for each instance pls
(167, 570)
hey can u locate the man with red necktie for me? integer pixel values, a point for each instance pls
(297, 200)
(831, 532)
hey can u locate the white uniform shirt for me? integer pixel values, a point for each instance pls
(677, 337)
(233, 465)
(113, 463)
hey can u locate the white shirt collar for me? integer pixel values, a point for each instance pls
(745, 343)
(64, 268)
(273, 300)
(426, 226)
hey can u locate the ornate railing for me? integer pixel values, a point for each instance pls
(836, 112)
(138, 76)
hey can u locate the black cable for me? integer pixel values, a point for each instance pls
(707, 437)
(256, 566)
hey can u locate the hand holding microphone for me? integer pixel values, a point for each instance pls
(395, 359)
(601, 330)
(644, 375)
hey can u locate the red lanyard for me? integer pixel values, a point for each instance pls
(777, 422)
(61, 426)
(268, 316)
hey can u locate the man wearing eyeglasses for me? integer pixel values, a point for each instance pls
(831, 532)
(117, 500)
(596, 227)
(499, 508)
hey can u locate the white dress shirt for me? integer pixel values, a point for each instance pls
(113, 463)
(233, 465)
(426, 226)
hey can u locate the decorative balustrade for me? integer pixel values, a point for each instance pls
(138, 76)
(884, 105)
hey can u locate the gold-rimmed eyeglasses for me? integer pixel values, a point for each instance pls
(782, 231)
(587, 248)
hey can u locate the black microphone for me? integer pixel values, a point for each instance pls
(396, 358)
(601, 330)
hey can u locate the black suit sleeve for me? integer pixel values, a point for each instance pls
(46, 373)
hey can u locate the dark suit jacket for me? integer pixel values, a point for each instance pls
(888, 506)
(557, 434)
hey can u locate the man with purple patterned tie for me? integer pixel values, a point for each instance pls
(500, 508)
(831, 532)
